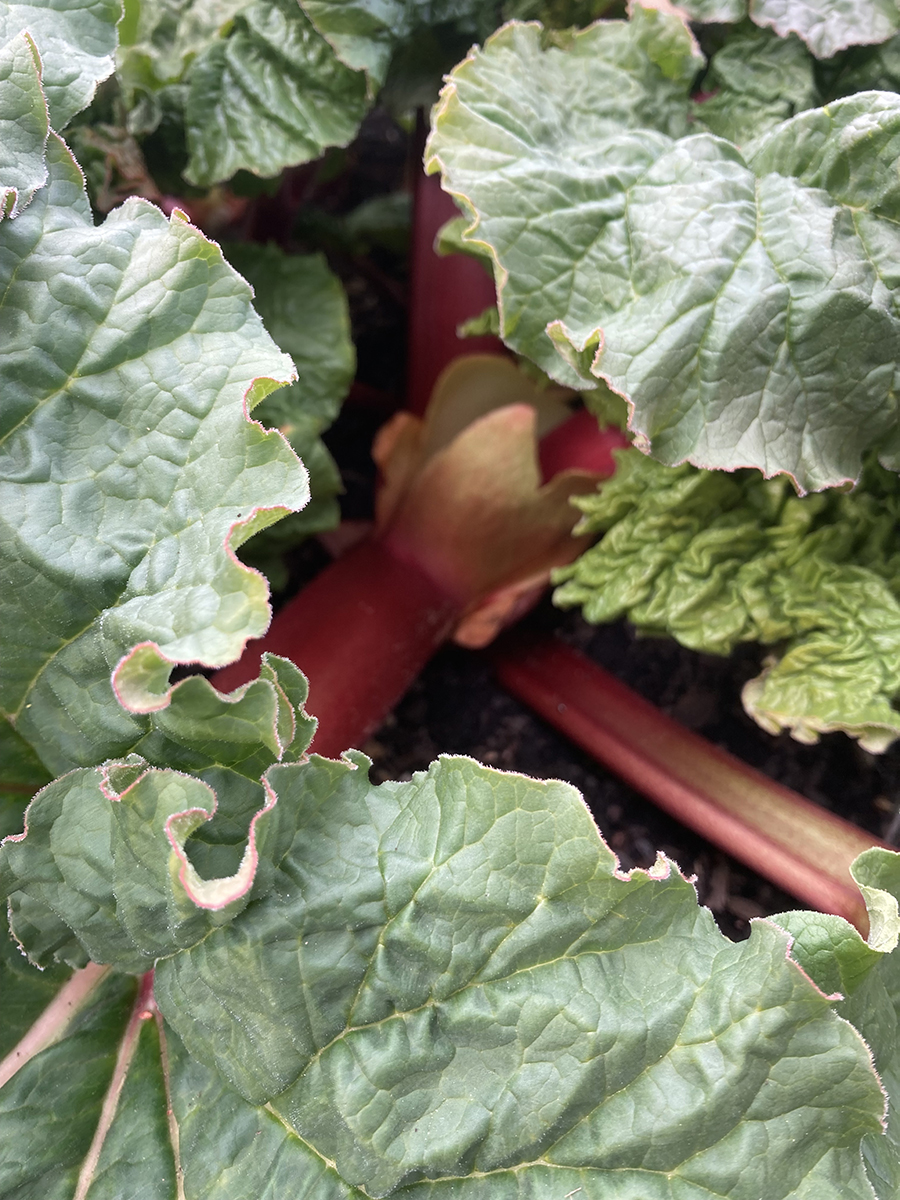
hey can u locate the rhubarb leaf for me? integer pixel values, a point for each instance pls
(450, 979)
(447, 983)
(130, 350)
(865, 976)
(746, 311)
(26, 991)
(158, 39)
(23, 124)
(104, 852)
(757, 80)
(826, 26)
(365, 33)
(715, 560)
(269, 96)
(304, 308)
(76, 43)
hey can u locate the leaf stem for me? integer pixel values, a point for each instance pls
(785, 837)
(53, 1021)
(142, 1009)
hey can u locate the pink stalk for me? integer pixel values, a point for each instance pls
(54, 1020)
(361, 632)
(444, 293)
(143, 1010)
(780, 834)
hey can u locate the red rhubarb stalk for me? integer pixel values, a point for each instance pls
(444, 292)
(361, 632)
(780, 834)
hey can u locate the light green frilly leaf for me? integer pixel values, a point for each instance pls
(76, 43)
(270, 95)
(129, 471)
(365, 33)
(715, 560)
(747, 311)
(23, 126)
(758, 80)
(449, 988)
(304, 307)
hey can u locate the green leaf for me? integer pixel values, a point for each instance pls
(451, 980)
(131, 352)
(725, 11)
(158, 39)
(715, 560)
(365, 33)
(448, 985)
(865, 976)
(758, 80)
(827, 26)
(745, 310)
(304, 308)
(269, 96)
(76, 43)
(23, 125)
(104, 852)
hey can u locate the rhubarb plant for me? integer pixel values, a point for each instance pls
(711, 242)
(235, 968)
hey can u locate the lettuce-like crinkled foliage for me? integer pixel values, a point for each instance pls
(715, 560)
(129, 470)
(304, 307)
(434, 987)
(76, 43)
(745, 308)
(826, 26)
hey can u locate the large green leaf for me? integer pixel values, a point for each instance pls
(76, 43)
(757, 81)
(270, 95)
(826, 26)
(866, 978)
(450, 988)
(746, 310)
(715, 560)
(23, 126)
(304, 308)
(129, 471)
(365, 33)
